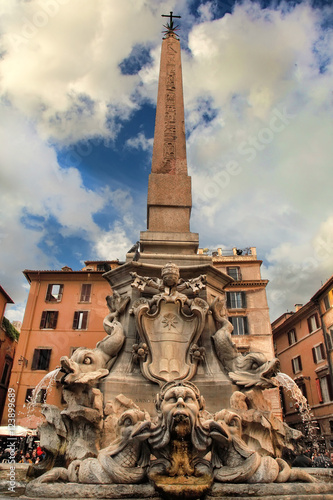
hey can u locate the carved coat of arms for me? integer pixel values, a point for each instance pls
(169, 326)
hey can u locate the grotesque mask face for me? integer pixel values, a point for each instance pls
(180, 409)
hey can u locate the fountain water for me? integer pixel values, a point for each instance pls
(303, 406)
(46, 383)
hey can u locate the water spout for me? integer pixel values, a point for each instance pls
(303, 406)
(46, 383)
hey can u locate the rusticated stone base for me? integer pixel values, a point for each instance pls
(274, 491)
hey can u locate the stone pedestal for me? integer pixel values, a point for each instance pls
(126, 377)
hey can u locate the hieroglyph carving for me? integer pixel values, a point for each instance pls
(169, 148)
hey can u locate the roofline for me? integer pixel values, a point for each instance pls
(227, 260)
(27, 272)
(102, 261)
(9, 299)
(298, 314)
(322, 289)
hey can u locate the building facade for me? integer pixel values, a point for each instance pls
(65, 310)
(8, 343)
(303, 344)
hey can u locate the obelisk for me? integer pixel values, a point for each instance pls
(169, 189)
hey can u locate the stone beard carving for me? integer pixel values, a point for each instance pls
(252, 369)
(169, 326)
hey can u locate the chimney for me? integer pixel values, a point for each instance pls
(298, 307)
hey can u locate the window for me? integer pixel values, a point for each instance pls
(302, 388)
(330, 339)
(327, 304)
(313, 323)
(326, 389)
(85, 293)
(54, 293)
(292, 337)
(318, 353)
(296, 364)
(49, 319)
(331, 426)
(28, 395)
(235, 273)
(6, 373)
(103, 267)
(41, 359)
(236, 300)
(80, 320)
(39, 398)
(240, 325)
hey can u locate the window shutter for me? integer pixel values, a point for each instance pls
(329, 340)
(243, 299)
(246, 325)
(48, 293)
(60, 292)
(85, 292)
(323, 353)
(45, 359)
(84, 320)
(43, 320)
(76, 320)
(314, 355)
(228, 300)
(34, 364)
(309, 325)
(54, 319)
(320, 396)
(300, 362)
(317, 320)
(293, 366)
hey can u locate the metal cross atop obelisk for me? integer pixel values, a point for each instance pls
(170, 26)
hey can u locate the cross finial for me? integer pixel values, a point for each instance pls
(169, 26)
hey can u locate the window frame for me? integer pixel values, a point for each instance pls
(6, 373)
(51, 297)
(330, 339)
(235, 321)
(326, 302)
(326, 389)
(236, 300)
(77, 319)
(318, 353)
(85, 297)
(238, 272)
(37, 359)
(292, 341)
(297, 360)
(46, 323)
(309, 320)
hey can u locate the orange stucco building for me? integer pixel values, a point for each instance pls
(303, 343)
(65, 310)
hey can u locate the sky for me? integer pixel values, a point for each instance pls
(78, 88)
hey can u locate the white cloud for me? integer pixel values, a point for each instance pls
(261, 169)
(140, 142)
(33, 189)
